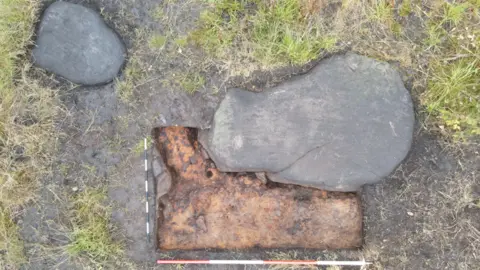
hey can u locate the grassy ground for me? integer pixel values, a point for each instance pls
(91, 237)
(269, 33)
(436, 41)
(27, 112)
(435, 44)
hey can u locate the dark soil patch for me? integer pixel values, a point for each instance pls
(417, 218)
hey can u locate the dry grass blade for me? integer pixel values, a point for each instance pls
(27, 112)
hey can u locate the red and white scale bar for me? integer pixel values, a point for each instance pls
(296, 262)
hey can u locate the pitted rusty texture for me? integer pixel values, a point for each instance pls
(206, 208)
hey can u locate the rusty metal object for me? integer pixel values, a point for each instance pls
(206, 208)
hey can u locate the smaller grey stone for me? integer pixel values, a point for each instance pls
(74, 42)
(262, 176)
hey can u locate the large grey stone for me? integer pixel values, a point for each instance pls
(74, 42)
(347, 123)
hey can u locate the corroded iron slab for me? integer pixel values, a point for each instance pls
(206, 208)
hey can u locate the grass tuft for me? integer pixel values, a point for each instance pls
(268, 33)
(405, 8)
(453, 96)
(191, 82)
(281, 31)
(140, 147)
(181, 41)
(453, 12)
(132, 75)
(92, 231)
(135, 70)
(10, 243)
(157, 42)
(382, 11)
(435, 36)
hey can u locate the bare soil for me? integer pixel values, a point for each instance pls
(424, 216)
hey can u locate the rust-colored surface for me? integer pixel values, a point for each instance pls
(206, 208)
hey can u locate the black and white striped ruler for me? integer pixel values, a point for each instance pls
(146, 191)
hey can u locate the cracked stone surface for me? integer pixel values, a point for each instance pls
(346, 123)
(74, 42)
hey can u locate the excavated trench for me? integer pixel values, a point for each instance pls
(200, 207)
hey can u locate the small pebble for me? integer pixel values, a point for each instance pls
(262, 176)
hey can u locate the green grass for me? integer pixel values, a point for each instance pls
(181, 41)
(10, 242)
(454, 12)
(27, 112)
(270, 34)
(92, 232)
(158, 13)
(191, 82)
(446, 18)
(135, 69)
(216, 34)
(157, 41)
(139, 146)
(453, 96)
(435, 35)
(281, 31)
(133, 73)
(405, 8)
(382, 11)
(16, 21)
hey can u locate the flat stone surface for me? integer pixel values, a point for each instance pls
(346, 123)
(74, 42)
